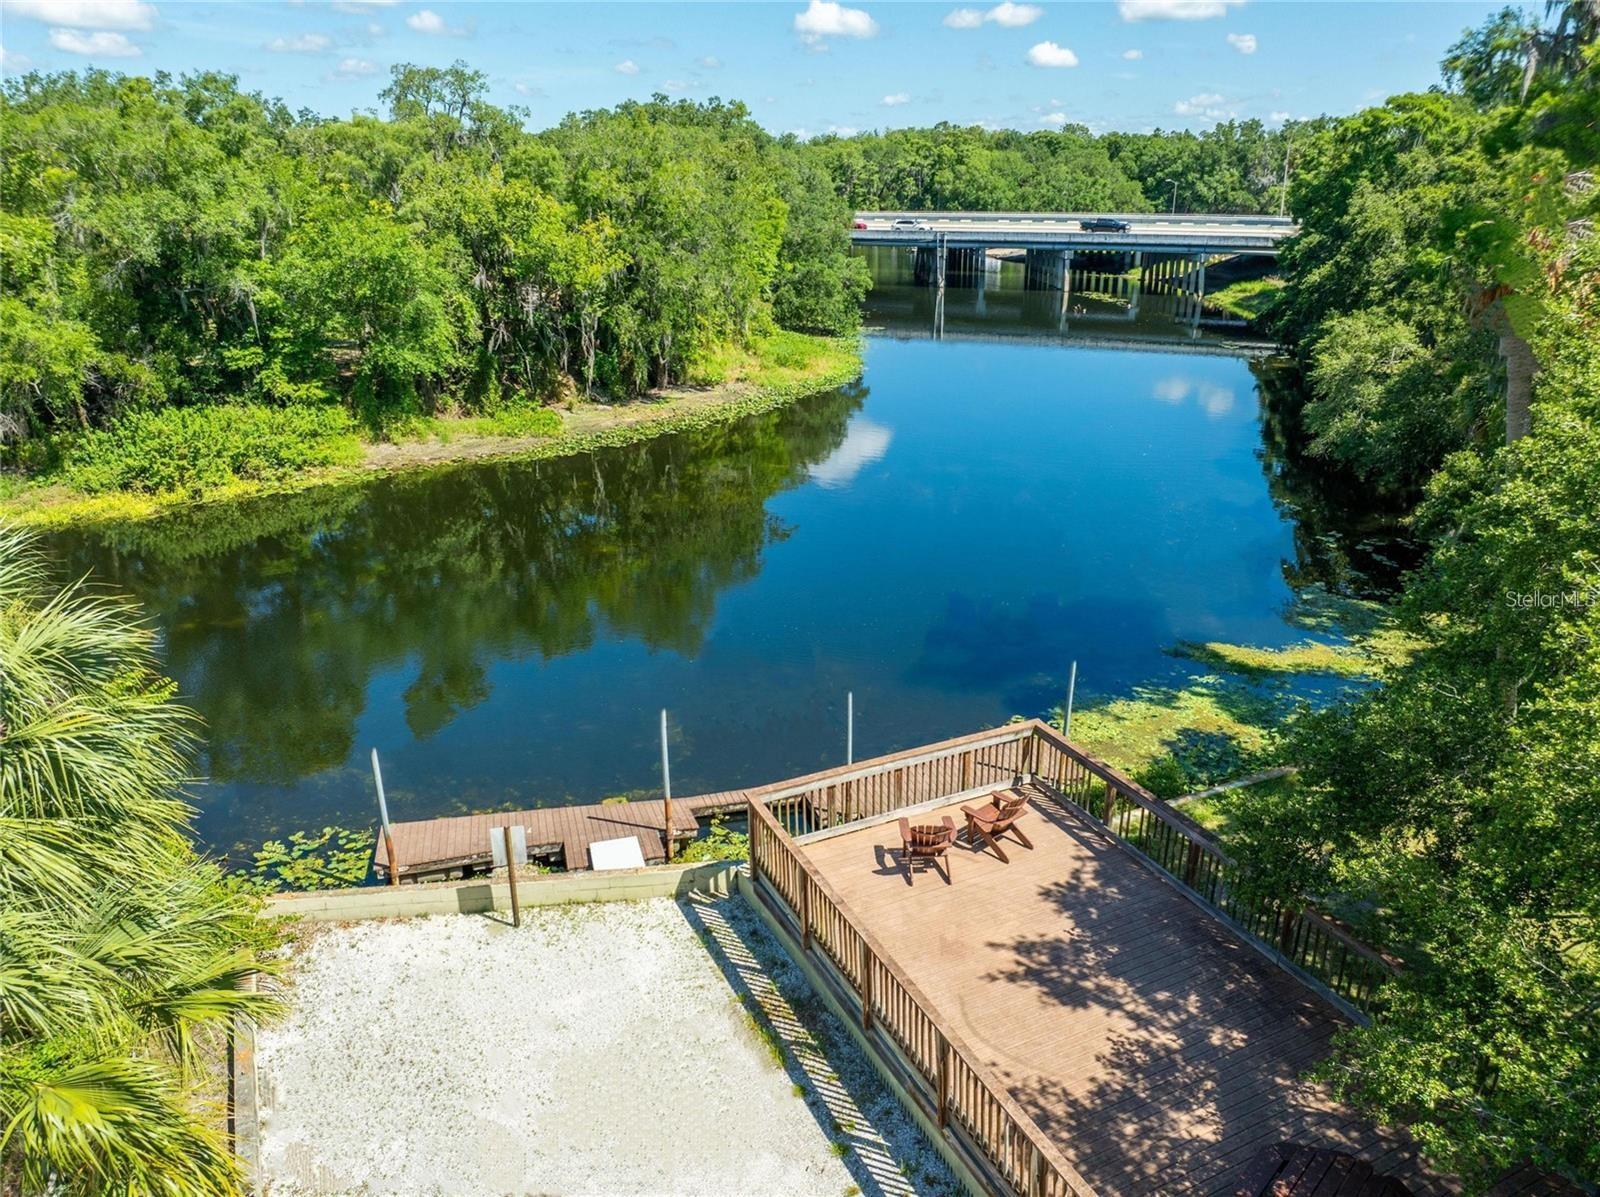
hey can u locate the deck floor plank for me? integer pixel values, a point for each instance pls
(1157, 1050)
(432, 845)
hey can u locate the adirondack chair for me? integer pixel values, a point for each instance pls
(996, 817)
(927, 843)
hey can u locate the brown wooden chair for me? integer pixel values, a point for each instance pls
(996, 817)
(927, 843)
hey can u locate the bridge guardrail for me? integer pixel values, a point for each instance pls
(1284, 222)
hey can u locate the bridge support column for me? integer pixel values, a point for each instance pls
(1047, 269)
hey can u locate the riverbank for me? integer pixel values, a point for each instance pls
(774, 371)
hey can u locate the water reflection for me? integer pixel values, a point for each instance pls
(447, 574)
(1107, 305)
(999, 504)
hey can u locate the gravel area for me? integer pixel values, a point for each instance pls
(652, 1047)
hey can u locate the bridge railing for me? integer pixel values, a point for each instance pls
(1274, 222)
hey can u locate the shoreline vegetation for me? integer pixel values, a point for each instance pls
(773, 371)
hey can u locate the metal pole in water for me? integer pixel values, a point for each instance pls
(850, 727)
(383, 819)
(666, 789)
(1066, 717)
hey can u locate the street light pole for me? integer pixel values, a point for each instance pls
(1283, 192)
(1174, 183)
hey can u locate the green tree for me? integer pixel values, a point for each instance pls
(121, 954)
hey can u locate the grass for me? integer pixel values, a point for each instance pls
(1225, 723)
(1248, 299)
(772, 371)
(516, 420)
(1177, 739)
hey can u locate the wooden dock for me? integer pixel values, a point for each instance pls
(559, 835)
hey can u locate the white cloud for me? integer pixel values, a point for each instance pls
(306, 43)
(843, 130)
(1055, 119)
(1048, 54)
(532, 90)
(828, 18)
(99, 44)
(1278, 118)
(1207, 104)
(12, 62)
(1013, 16)
(361, 6)
(1245, 43)
(626, 67)
(1175, 10)
(896, 99)
(429, 22)
(86, 14)
(710, 62)
(1133, 55)
(353, 68)
(1005, 14)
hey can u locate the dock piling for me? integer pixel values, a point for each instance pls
(383, 817)
(666, 790)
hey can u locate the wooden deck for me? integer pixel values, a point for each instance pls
(1154, 1048)
(436, 846)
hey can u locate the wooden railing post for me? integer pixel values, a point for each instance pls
(805, 912)
(944, 1080)
(966, 770)
(1035, 1170)
(1192, 865)
(1111, 804)
(1286, 930)
(866, 987)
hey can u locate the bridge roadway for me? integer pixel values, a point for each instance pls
(1157, 233)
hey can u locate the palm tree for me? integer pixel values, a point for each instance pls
(121, 952)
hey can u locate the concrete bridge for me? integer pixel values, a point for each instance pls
(1158, 254)
(1182, 234)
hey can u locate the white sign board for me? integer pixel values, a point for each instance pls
(623, 853)
(519, 846)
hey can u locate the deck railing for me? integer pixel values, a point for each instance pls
(946, 1076)
(836, 797)
(1309, 940)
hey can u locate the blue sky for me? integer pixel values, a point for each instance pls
(808, 66)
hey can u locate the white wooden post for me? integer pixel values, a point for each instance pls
(383, 820)
(850, 727)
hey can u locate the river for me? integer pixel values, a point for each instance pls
(997, 497)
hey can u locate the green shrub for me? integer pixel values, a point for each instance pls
(524, 419)
(195, 449)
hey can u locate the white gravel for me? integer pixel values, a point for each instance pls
(599, 1049)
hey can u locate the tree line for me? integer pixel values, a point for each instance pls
(1443, 301)
(181, 243)
(1236, 167)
